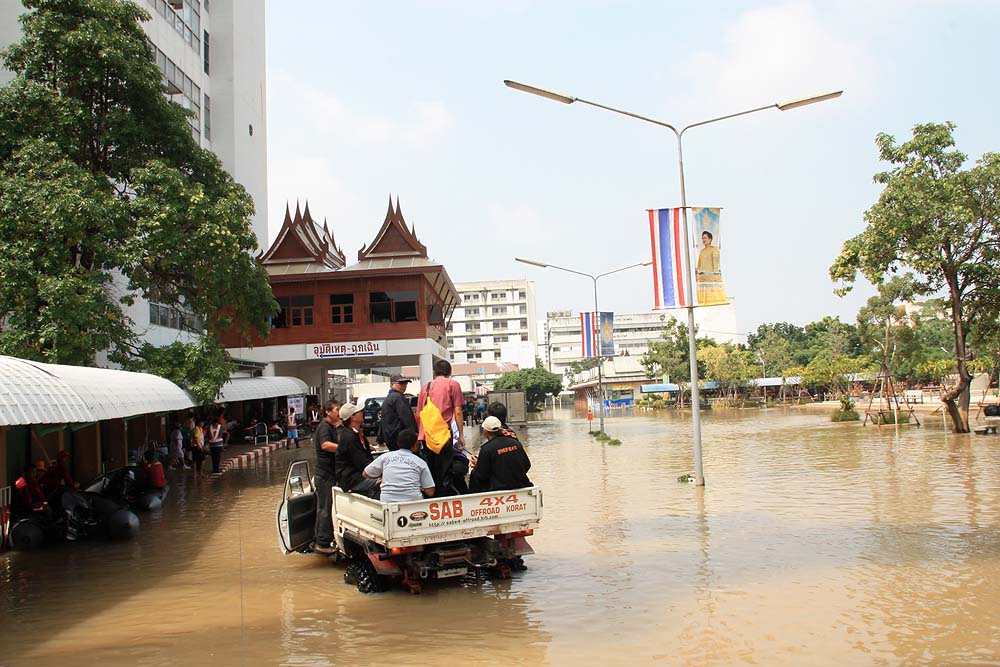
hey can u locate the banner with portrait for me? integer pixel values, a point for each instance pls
(607, 335)
(709, 288)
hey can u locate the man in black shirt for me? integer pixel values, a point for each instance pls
(502, 463)
(353, 452)
(325, 438)
(397, 415)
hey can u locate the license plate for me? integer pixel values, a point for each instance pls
(451, 572)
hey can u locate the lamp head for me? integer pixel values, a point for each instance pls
(541, 92)
(531, 262)
(803, 101)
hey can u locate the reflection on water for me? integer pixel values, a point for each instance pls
(813, 543)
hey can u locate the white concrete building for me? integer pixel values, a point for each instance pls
(563, 342)
(494, 322)
(211, 55)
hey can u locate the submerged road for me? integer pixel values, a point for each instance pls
(813, 543)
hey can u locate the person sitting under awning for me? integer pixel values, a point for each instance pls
(58, 475)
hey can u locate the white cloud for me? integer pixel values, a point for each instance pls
(777, 52)
(306, 116)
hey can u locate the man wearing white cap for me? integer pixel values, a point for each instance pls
(502, 463)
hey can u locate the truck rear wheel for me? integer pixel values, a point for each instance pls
(362, 574)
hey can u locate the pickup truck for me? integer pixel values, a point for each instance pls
(410, 542)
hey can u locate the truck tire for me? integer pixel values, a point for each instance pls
(362, 574)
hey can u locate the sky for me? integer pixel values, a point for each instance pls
(368, 100)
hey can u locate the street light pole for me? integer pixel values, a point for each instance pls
(679, 134)
(597, 316)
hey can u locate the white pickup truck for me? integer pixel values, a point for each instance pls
(413, 541)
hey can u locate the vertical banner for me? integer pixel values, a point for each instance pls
(607, 334)
(710, 290)
(666, 238)
(587, 336)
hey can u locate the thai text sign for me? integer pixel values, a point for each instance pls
(359, 348)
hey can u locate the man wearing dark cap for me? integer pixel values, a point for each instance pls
(397, 415)
(502, 463)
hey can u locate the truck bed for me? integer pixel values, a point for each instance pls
(435, 520)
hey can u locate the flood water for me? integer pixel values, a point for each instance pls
(813, 543)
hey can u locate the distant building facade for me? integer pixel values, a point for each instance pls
(563, 343)
(495, 322)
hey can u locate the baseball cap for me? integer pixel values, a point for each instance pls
(348, 409)
(399, 378)
(492, 424)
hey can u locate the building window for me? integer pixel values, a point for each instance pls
(498, 296)
(520, 295)
(341, 308)
(208, 119)
(524, 324)
(472, 328)
(471, 297)
(498, 310)
(524, 339)
(469, 312)
(296, 311)
(475, 356)
(498, 324)
(207, 53)
(398, 306)
(500, 339)
(172, 318)
(524, 310)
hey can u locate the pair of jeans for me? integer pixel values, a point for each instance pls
(216, 451)
(324, 512)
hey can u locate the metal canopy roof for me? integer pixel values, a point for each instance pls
(35, 393)
(248, 389)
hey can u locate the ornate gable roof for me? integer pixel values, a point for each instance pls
(393, 239)
(303, 246)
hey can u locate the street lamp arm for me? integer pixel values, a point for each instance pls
(624, 268)
(727, 116)
(629, 114)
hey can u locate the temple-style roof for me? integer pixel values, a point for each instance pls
(393, 239)
(302, 246)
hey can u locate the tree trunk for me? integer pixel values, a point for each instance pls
(957, 399)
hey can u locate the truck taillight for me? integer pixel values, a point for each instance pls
(395, 551)
(520, 533)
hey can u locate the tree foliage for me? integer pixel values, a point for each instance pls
(727, 364)
(942, 222)
(100, 176)
(536, 383)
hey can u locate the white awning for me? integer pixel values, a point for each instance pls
(35, 393)
(249, 389)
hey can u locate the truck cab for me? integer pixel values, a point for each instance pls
(411, 542)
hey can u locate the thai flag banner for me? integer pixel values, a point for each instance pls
(587, 334)
(666, 238)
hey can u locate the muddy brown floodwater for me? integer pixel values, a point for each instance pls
(813, 543)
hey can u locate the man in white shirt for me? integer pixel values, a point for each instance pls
(405, 476)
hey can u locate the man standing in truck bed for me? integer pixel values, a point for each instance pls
(439, 409)
(397, 415)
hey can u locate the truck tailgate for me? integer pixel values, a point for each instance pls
(436, 520)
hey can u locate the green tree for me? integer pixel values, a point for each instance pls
(727, 364)
(882, 324)
(99, 175)
(943, 222)
(773, 351)
(536, 383)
